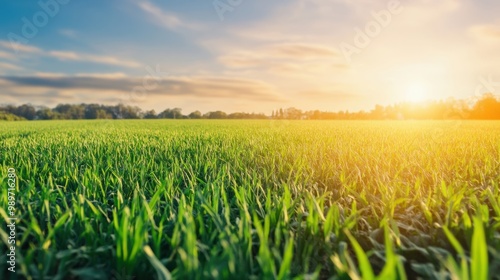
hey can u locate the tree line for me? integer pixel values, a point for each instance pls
(485, 107)
(99, 111)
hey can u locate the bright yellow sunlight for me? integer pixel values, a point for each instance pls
(416, 92)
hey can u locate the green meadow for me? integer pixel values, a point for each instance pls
(222, 199)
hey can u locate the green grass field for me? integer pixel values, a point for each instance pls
(252, 199)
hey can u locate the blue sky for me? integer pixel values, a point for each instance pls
(257, 56)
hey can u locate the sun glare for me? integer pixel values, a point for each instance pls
(416, 92)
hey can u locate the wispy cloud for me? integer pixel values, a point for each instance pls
(67, 55)
(6, 55)
(70, 33)
(8, 66)
(242, 59)
(287, 58)
(115, 75)
(486, 31)
(303, 51)
(165, 19)
(200, 86)
(313, 68)
(284, 51)
(20, 47)
(337, 95)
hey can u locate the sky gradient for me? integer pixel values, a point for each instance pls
(252, 56)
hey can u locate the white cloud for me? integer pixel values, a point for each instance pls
(70, 33)
(20, 47)
(66, 55)
(6, 55)
(8, 66)
(193, 86)
(165, 19)
(285, 59)
(303, 51)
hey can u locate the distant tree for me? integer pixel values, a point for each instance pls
(215, 115)
(195, 115)
(11, 109)
(132, 112)
(379, 112)
(150, 114)
(293, 113)
(61, 108)
(25, 111)
(45, 113)
(102, 114)
(77, 112)
(92, 111)
(175, 113)
(122, 111)
(240, 115)
(487, 108)
(4, 116)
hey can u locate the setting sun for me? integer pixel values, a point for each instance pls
(416, 92)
